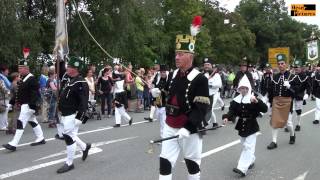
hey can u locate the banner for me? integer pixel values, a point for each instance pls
(61, 48)
(273, 52)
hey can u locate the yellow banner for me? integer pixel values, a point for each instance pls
(273, 52)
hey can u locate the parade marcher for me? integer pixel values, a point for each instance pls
(72, 106)
(27, 97)
(188, 101)
(302, 91)
(281, 94)
(214, 84)
(160, 95)
(243, 71)
(316, 93)
(247, 107)
(120, 100)
(266, 83)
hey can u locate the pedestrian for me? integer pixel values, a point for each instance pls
(247, 108)
(4, 97)
(187, 103)
(73, 103)
(281, 93)
(27, 97)
(104, 87)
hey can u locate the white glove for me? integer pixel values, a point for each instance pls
(286, 84)
(183, 133)
(31, 111)
(305, 97)
(9, 106)
(313, 74)
(78, 122)
(155, 92)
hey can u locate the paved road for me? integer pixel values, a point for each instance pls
(120, 154)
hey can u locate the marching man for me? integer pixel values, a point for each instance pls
(247, 107)
(26, 97)
(302, 91)
(281, 94)
(316, 93)
(214, 83)
(120, 100)
(188, 101)
(159, 93)
(73, 103)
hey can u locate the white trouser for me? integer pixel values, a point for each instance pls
(119, 112)
(26, 115)
(215, 98)
(71, 129)
(317, 112)
(289, 126)
(191, 149)
(247, 156)
(297, 105)
(4, 117)
(220, 101)
(161, 116)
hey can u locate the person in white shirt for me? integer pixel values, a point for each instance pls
(214, 83)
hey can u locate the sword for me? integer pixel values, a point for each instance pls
(152, 142)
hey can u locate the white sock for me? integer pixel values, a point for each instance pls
(71, 151)
(16, 138)
(80, 143)
(165, 177)
(38, 132)
(298, 119)
(152, 110)
(274, 135)
(194, 176)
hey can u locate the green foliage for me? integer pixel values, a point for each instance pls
(142, 31)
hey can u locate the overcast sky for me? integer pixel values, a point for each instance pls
(231, 4)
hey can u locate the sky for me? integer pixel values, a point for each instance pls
(231, 4)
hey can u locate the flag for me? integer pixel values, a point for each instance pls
(61, 48)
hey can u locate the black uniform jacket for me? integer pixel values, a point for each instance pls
(27, 92)
(74, 97)
(192, 98)
(278, 88)
(247, 123)
(316, 85)
(302, 86)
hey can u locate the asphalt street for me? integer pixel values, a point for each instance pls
(121, 153)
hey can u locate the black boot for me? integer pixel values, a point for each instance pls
(58, 137)
(222, 108)
(297, 128)
(251, 166)
(292, 139)
(272, 145)
(65, 168)
(315, 122)
(215, 125)
(116, 125)
(286, 129)
(130, 122)
(85, 152)
(9, 147)
(238, 171)
(148, 119)
(38, 143)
